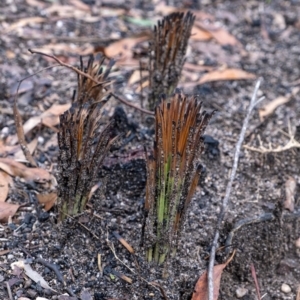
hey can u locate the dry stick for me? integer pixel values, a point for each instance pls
(225, 201)
(52, 267)
(91, 78)
(9, 291)
(253, 273)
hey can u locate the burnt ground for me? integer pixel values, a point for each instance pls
(269, 33)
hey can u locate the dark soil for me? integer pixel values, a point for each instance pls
(270, 33)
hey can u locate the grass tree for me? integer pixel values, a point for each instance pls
(173, 172)
(84, 139)
(167, 51)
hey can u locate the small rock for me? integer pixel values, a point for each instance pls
(41, 140)
(241, 292)
(297, 243)
(10, 256)
(286, 288)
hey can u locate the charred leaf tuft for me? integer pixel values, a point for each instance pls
(84, 138)
(173, 171)
(167, 51)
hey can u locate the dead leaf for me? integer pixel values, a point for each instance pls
(197, 68)
(220, 75)
(5, 181)
(222, 36)
(47, 199)
(19, 155)
(50, 118)
(23, 22)
(81, 12)
(35, 276)
(290, 190)
(199, 34)
(3, 252)
(7, 210)
(201, 288)
(111, 12)
(14, 168)
(123, 48)
(65, 48)
(36, 4)
(80, 5)
(270, 107)
(135, 77)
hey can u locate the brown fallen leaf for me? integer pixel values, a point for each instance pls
(65, 49)
(47, 199)
(290, 190)
(199, 34)
(23, 22)
(201, 288)
(80, 5)
(14, 168)
(16, 151)
(221, 75)
(36, 3)
(19, 155)
(270, 107)
(135, 77)
(50, 118)
(222, 36)
(7, 210)
(5, 181)
(3, 252)
(123, 48)
(69, 11)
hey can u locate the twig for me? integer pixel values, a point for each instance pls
(292, 143)
(225, 201)
(253, 273)
(153, 284)
(74, 69)
(52, 267)
(132, 105)
(9, 291)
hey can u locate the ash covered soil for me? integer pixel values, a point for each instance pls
(89, 258)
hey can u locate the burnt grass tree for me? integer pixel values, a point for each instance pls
(167, 51)
(172, 172)
(83, 138)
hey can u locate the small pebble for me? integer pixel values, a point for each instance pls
(297, 243)
(286, 288)
(10, 256)
(241, 292)
(41, 140)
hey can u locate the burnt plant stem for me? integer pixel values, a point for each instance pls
(172, 173)
(225, 201)
(83, 138)
(167, 51)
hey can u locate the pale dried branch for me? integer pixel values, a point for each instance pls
(225, 201)
(292, 143)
